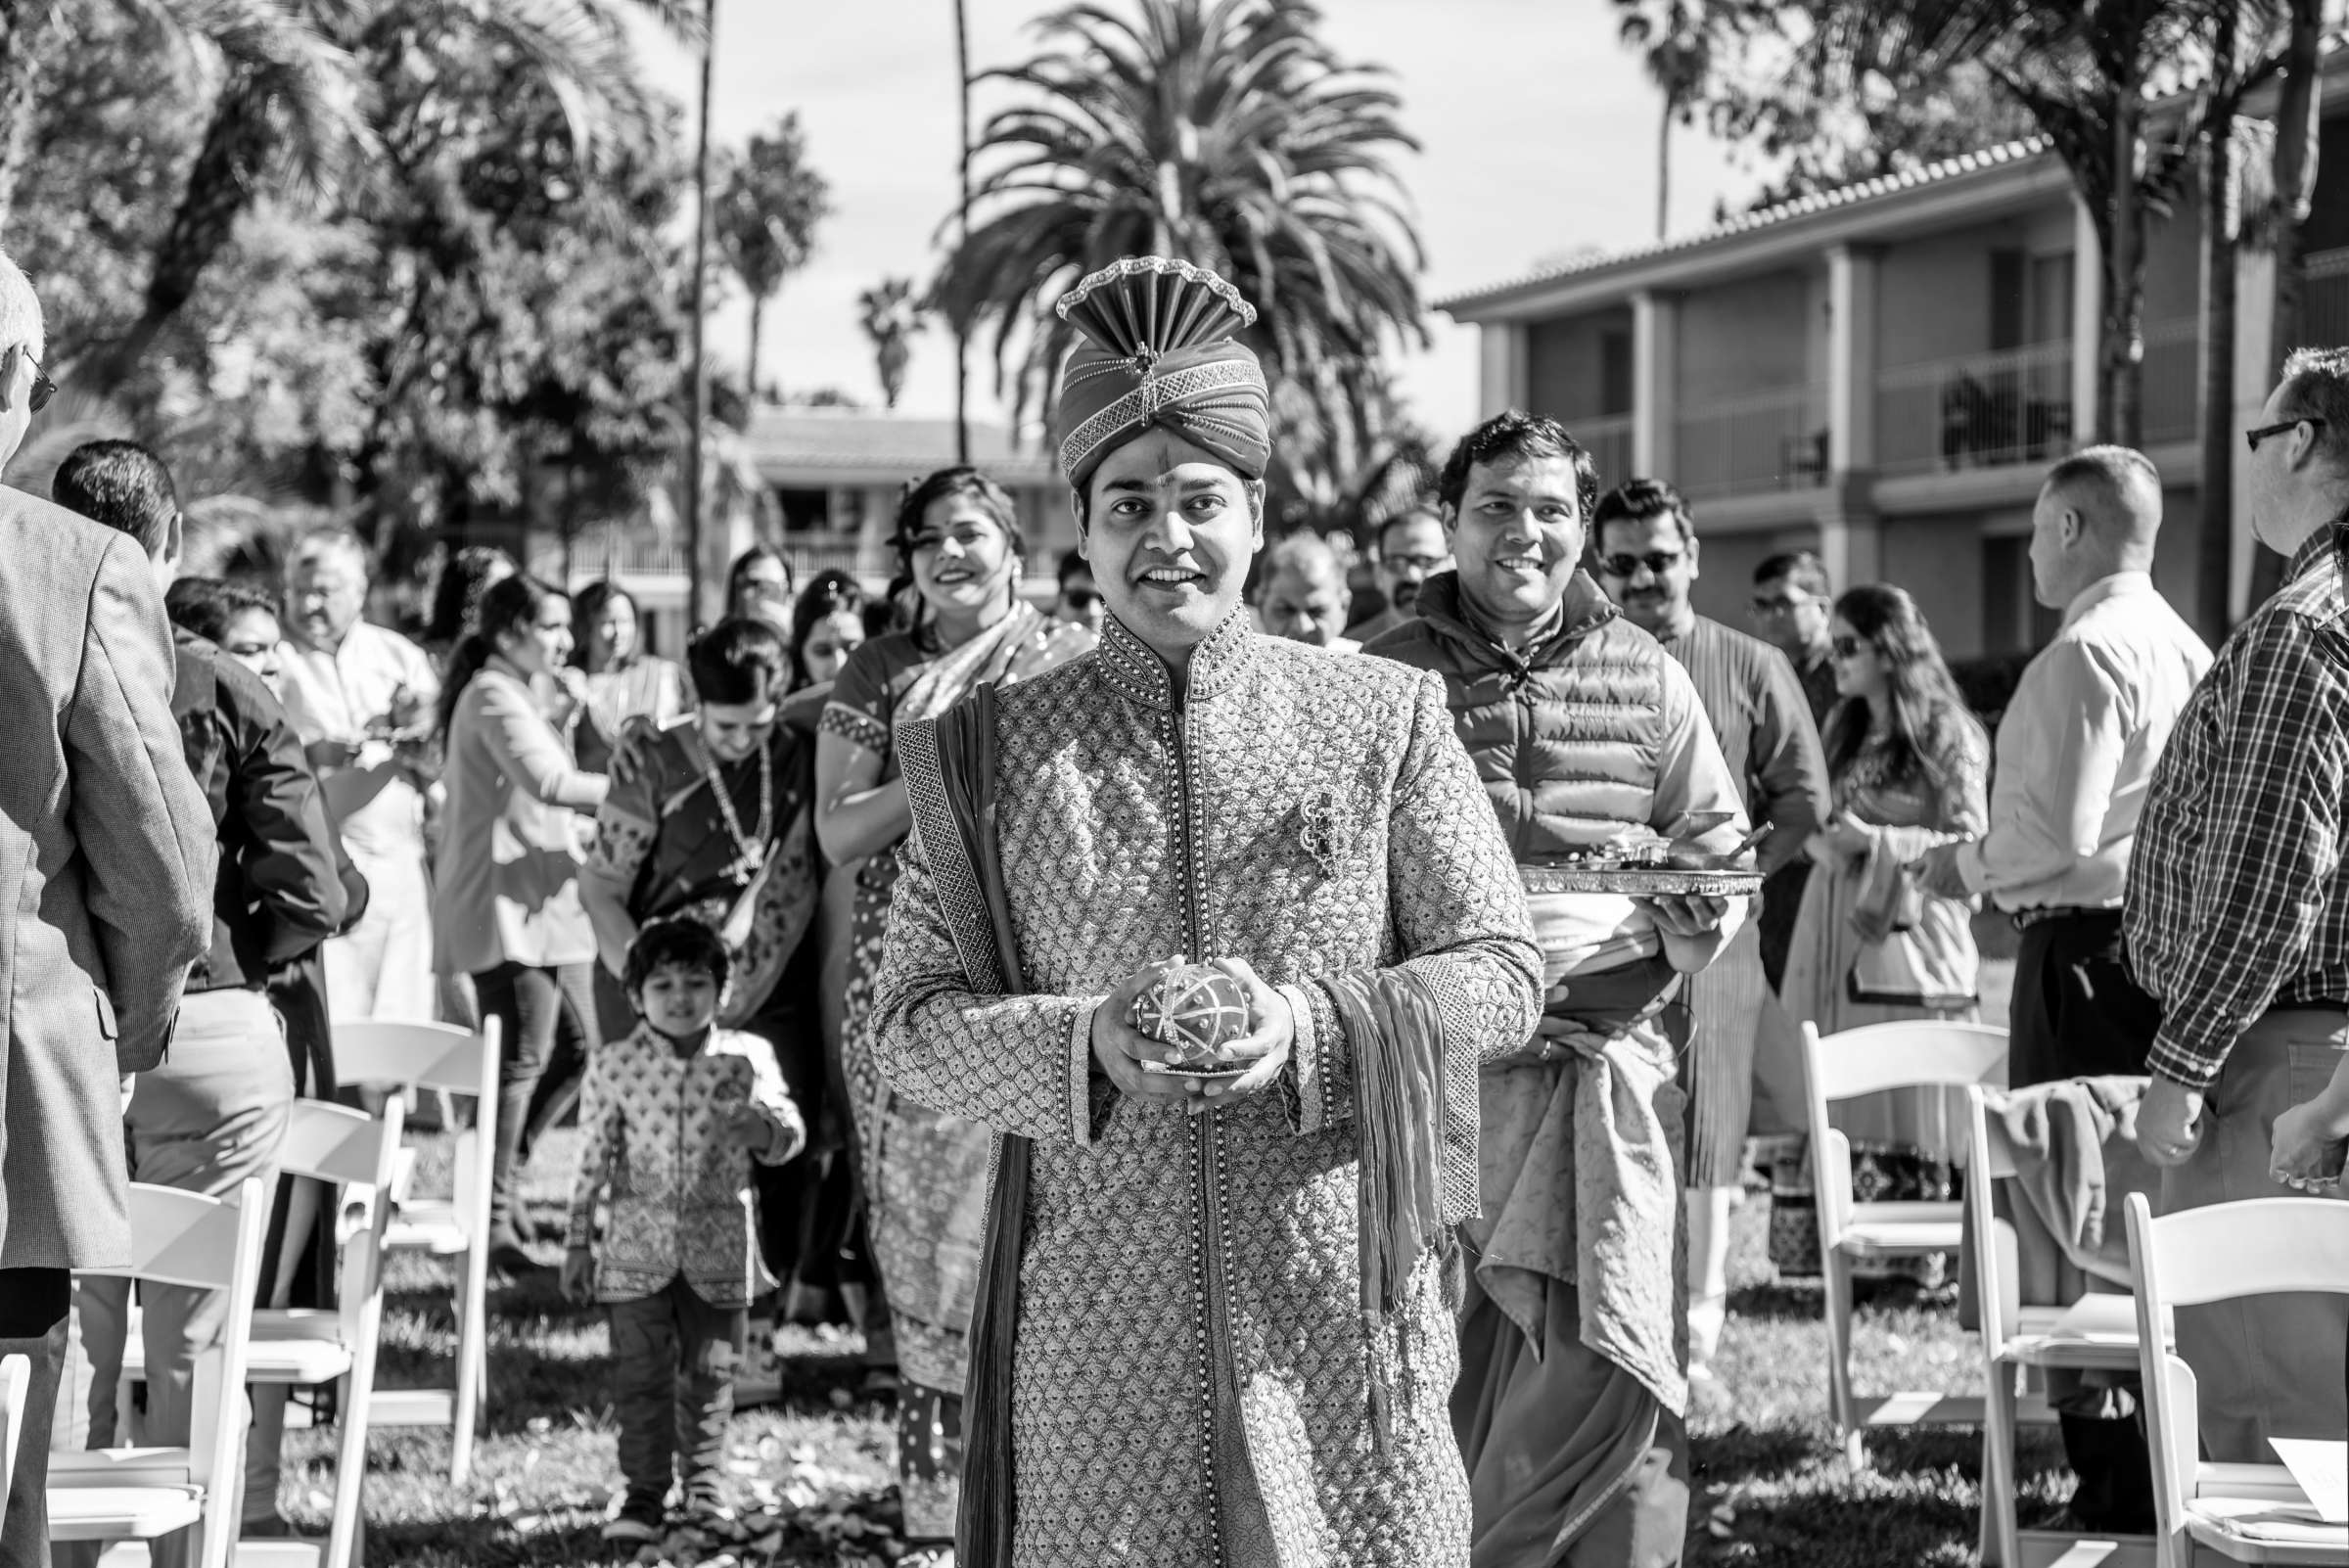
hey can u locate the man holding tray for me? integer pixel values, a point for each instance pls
(1592, 742)
(1647, 561)
(1211, 1320)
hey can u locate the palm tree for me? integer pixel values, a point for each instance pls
(292, 113)
(1223, 131)
(1676, 43)
(766, 219)
(890, 317)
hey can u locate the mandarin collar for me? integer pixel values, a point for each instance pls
(1138, 674)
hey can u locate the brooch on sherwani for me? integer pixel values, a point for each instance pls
(1323, 829)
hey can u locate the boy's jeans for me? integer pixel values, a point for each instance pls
(673, 1361)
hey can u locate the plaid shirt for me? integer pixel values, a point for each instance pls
(2238, 899)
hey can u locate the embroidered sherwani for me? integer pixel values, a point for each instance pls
(1191, 1373)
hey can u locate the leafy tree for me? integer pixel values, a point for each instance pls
(890, 315)
(769, 208)
(1673, 38)
(1226, 133)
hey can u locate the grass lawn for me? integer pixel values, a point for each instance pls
(816, 1469)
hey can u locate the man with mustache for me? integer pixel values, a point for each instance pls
(1647, 561)
(1574, 1381)
(1408, 550)
(1211, 1323)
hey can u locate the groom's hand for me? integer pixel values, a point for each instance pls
(1271, 1035)
(1120, 1049)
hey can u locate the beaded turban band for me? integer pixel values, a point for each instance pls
(1160, 352)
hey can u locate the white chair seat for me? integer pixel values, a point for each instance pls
(1870, 1235)
(2252, 1483)
(2098, 1332)
(121, 1468)
(2266, 1530)
(110, 1513)
(427, 1224)
(296, 1345)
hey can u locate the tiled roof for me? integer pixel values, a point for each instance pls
(783, 438)
(2025, 151)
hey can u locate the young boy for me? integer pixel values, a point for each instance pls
(667, 1116)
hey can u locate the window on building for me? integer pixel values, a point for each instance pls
(805, 511)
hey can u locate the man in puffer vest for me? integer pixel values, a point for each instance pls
(1574, 1344)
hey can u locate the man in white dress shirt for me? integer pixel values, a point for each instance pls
(362, 699)
(2075, 757)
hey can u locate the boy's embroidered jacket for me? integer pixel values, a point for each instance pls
(653, 1144)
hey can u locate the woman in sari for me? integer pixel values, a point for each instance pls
(959, 541)
(709, 818)
(1909, 767)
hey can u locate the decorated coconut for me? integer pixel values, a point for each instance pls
(1199, 1010)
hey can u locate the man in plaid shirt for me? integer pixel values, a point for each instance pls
(2237, 916)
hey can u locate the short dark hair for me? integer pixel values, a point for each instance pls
(1073, 564)
(741, 570)
(121, 485)
(1639, 501)
(205, 606)
(1511, 438)
(1802, 568)
(740, 659)
(1410, 514)
(678, 942)
(587, 608)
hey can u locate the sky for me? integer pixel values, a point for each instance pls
(1537, 129)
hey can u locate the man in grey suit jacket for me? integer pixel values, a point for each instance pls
(106, 855)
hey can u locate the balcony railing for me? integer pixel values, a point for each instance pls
(595, 556)
(1607, 437)
(2325, 306)
(1981, 410)
(1770, 440)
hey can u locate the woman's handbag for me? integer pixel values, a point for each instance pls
(1916, 951)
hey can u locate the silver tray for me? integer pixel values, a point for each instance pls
(1640, 881)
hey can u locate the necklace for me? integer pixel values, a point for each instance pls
(747, 847)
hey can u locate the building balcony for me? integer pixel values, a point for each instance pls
(1608, 440)
(1979, 410)
(1768, 440)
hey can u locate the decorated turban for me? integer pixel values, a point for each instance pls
(1160, 352)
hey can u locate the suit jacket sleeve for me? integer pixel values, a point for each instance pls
(136, 812)
(1460, 920)
(291, 864)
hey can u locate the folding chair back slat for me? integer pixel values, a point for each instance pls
(16, 1377)
(337, 1144)
(386, 1053)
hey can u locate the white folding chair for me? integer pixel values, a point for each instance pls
(141, 1494)
(2098, 1332)
(360, 1155)
(2227, 1512)
(16, 1376)
(442, 1057)
(1911, 1054)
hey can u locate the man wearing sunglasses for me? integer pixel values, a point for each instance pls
(2238, 921)
(1079, 602)
(1647, 562)
(1408, 550)
(106, 854)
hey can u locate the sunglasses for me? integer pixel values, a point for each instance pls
(43, 388)
(1764, 606)
(1081, 598)
(1847, 647)
(1657, 562)
(2252, 437)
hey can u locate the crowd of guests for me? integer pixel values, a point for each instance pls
(835, 1048)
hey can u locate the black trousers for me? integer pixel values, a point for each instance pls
(534, 1006)
(2078, 1014)
(33, 1302)
(674, 1359)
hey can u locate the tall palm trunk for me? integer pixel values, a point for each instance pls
(2120, 411)
(750, 375)
(1664, 169)
(2214, 547)
(227, 171)
(962, 232)
(2297, 113)
(26, 26)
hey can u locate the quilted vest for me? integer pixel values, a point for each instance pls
(1566, 734)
